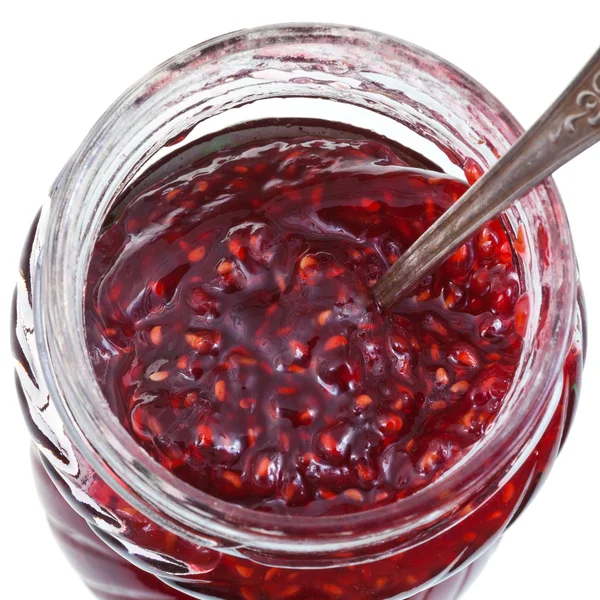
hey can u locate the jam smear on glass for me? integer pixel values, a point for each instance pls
(232, 328)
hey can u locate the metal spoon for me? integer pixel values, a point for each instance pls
(570, 126)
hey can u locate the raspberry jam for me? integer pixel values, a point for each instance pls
(274, 436)
(233, 330)
(231, 326)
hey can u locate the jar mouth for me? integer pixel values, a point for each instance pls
(58, 289)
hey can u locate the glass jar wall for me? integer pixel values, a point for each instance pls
(156, 531)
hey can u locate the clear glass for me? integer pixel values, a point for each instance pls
(205, 546)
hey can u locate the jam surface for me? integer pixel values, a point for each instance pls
(232, 328)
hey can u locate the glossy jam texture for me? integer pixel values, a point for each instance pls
(232, 328)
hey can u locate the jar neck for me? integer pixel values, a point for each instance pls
(376, 75)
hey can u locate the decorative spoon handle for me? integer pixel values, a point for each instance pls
(571, 125)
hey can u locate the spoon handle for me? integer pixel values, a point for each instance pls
(570, 125)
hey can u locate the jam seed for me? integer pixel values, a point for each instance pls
(203, 342)
(190, 399)
(460, 387)
(467, 358)
(390, 425)
(354, 495)
(326, 494)
(364, 401)
(522, 315)
(159, 376)
(262, 470)
(247, 403)
(156, 335)
(334, 590)
(233, 478)
(306, 418)
(235, 247)
(520, 244)
(323, 316)
(335, 341)
(220, 390)
(247, 361)
(252, 434)
(197, 254)
(202, 186)
(470, 537)
(307, 261)
(225, 267)
(365, 472)
(508, 492)
(270, 573)
(329, 444)
(439, 405)
(155, 426)
(435, 326)
(170, 196)
(441, 376)
(244, 571)
(289, 591)
(281, 283)
(467, 420)
(286, 391)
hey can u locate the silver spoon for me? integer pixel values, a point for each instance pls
(570, 126)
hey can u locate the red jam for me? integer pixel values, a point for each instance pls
(232, 327)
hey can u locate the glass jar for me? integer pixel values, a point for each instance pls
(157, 537)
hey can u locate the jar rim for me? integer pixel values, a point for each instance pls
(147, 485)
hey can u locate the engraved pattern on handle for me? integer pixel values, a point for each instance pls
(590, 101)
(537, 154)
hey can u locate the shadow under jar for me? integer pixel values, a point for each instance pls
(129, 526)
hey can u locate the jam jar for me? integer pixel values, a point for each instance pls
(129, 525)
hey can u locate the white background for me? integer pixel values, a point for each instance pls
(63, 63)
